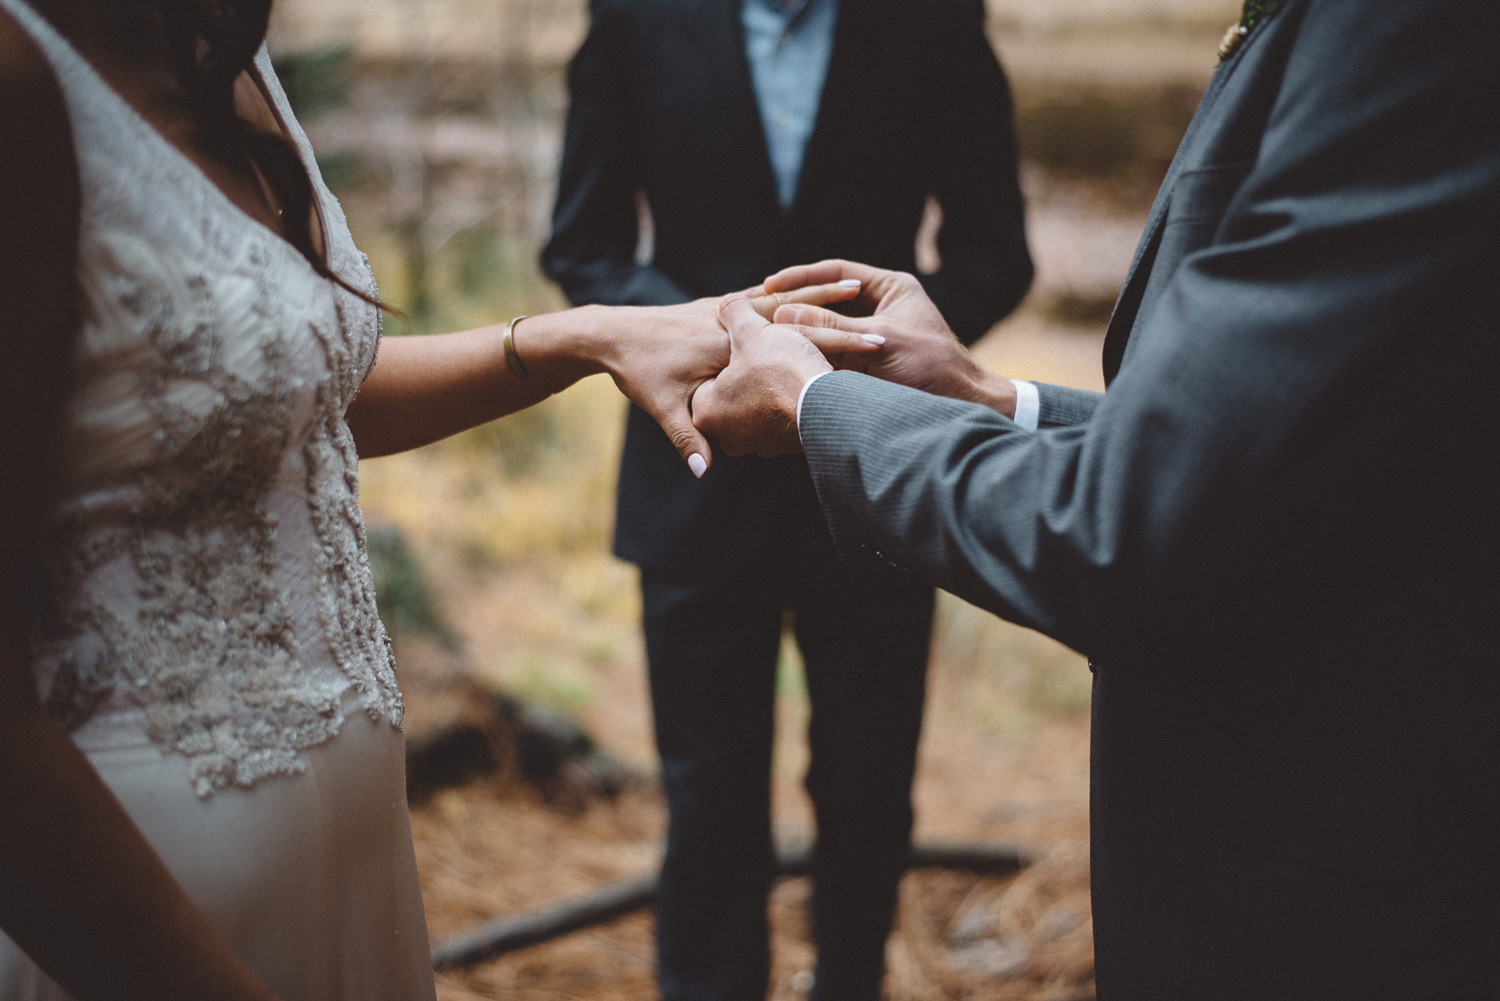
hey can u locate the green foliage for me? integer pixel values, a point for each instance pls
(598, 649)
(480, 264)
(1062, 689)
(1256, 11)
(520, 443)
(401, 593)
(477, 276)
(791, 676)
(340, 169)
(316, 80)
(556, 684)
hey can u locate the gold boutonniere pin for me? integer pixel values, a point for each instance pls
(1254, 12)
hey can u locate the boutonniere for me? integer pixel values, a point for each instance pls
(1255, 11)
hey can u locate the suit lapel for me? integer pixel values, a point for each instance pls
(856, 38)
(723, 38)
(1126, 306)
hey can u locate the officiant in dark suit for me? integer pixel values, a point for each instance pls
(1275, 535)
(759, 133)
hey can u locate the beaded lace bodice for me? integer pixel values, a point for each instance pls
(206, 586)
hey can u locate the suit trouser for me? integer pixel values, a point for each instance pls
(712, 650)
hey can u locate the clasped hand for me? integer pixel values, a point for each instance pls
(895, 333)
(733, 369)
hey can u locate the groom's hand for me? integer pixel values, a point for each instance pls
(919, 350)
(752, 405)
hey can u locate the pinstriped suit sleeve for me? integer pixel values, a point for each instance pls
(1253, 430)
(1064, 406)
(951, 491)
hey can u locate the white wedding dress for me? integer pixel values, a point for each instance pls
(206, 620)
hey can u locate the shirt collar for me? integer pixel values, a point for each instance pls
(791, 11)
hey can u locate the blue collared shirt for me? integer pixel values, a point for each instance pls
(788, 46)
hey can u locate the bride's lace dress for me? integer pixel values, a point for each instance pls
(206, 622)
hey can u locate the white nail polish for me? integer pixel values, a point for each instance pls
(697, 464)
(851, 283)
(872, 338)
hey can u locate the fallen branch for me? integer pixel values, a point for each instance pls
(507, 934)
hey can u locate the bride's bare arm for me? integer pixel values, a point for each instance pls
(426, 388)
(81, 890)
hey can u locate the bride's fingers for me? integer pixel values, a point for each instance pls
(826, 294)
(677, 422)
(821, 273)
(820, 295)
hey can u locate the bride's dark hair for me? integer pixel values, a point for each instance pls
(210, 43)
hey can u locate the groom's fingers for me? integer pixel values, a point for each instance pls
(701, 404)
(752, 405)
(838, 345)
(738, 315)
(818, 318)
(706, 415)
(709, 416)
(832, 332)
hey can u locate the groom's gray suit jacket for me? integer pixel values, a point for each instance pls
(1275, 535)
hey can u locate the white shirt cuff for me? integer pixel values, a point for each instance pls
(802, 396)
(1028, 404)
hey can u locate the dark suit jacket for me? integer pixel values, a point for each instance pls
(914, 105)
(1275, 535)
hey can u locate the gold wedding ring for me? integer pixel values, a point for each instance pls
(780, 299)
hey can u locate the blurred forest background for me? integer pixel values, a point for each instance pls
(438, 124)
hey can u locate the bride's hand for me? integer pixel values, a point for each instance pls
(660, 355)
(426, 388)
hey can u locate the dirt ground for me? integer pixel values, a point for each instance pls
(496, 848)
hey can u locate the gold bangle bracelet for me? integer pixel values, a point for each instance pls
(513, 360)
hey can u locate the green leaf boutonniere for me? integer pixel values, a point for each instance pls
(1255, 11)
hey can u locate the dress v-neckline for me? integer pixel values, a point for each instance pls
(176, 152)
